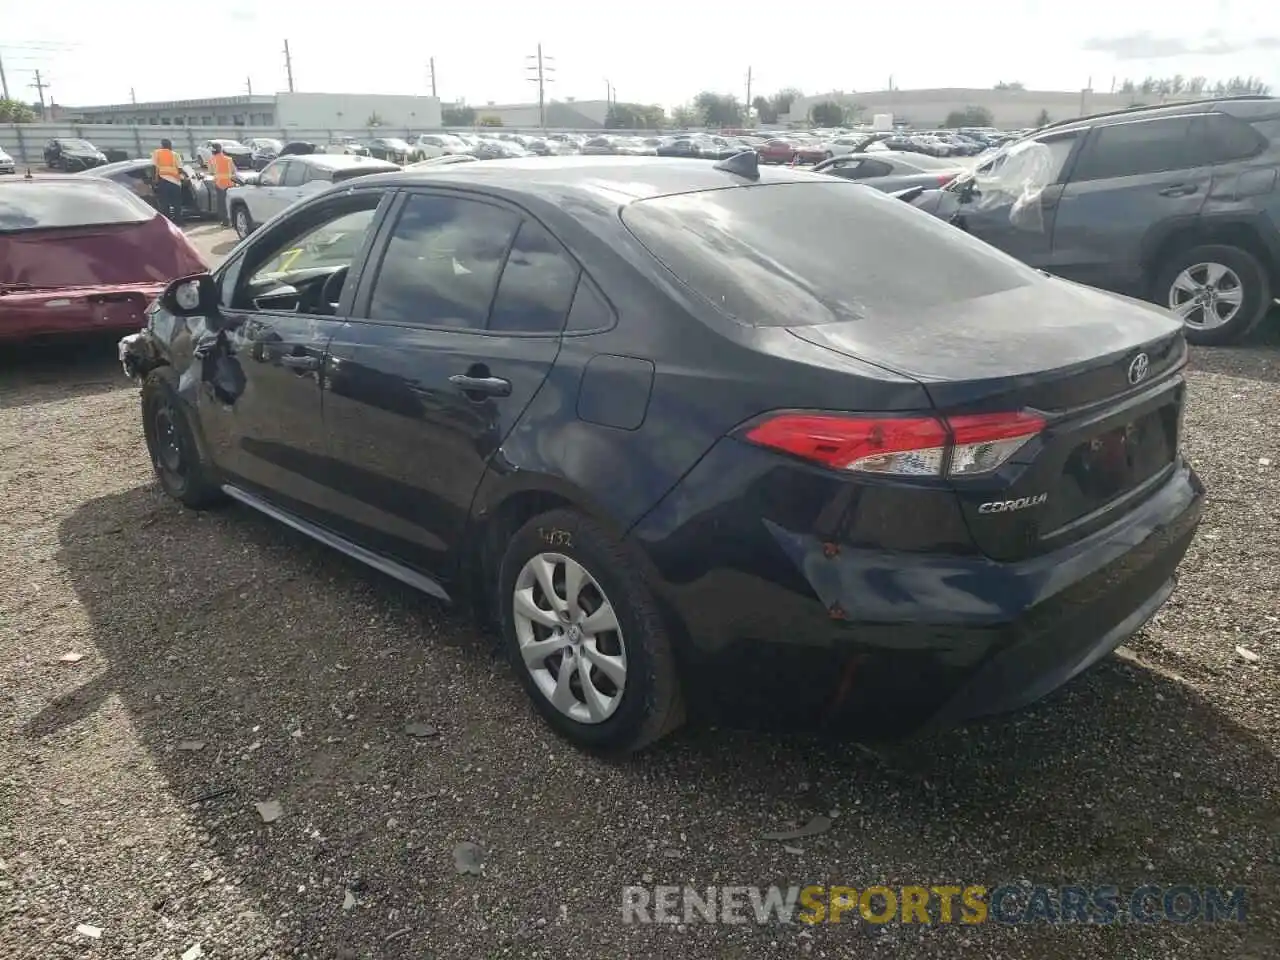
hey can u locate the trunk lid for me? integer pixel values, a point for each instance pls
(1068, 352)
(151, 251)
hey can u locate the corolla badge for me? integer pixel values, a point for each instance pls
(1139, 368)
(1008, 506)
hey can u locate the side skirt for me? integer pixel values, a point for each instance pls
(402, 573)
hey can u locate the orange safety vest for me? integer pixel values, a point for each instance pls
(224, 169)
(166, 162)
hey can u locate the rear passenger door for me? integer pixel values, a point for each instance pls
(455, 327)
(1131, 179)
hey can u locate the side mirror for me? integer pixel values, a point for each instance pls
(190, 296)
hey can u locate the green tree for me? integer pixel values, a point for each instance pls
(970, 117)
(374, 120)
(490, 120)
(783, 99)
(1043, 118)
(458, 116)
(685, 116)
(828, 113)
(718, 109)
(766, 112)
(15, 111)
(635, 116)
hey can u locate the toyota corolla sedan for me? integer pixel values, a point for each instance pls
(679, 426)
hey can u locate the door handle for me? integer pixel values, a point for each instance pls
(1179, 190)
(480, 387)
(301, 363)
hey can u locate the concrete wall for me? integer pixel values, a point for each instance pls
(1011, 109)
(576, 114)
(324, 110)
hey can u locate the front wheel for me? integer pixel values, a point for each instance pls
(1219, 292)
(175, 454)
(585, 635)
(241, 221)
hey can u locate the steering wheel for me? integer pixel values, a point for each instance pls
(331, 292)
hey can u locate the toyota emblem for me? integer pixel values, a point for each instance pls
(1139, 368)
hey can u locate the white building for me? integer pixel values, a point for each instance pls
(310, 111)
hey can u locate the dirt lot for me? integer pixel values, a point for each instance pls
(295, 671)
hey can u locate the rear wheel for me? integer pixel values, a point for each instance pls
(585, 635)
(175, 455)
(1219, 292)
(241, 220)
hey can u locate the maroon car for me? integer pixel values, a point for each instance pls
(786, 151)
(81, 255)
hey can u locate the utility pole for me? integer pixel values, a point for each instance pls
(133, 97)
(4, 83)
(248, 85)
(288, 65)
(40, 86)
(431, 65)
(748, 96)
(540, 70)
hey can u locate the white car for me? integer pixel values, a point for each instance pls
(842, 146)
(426, 146)
(6, 163)
(240, 155)
(289, 179)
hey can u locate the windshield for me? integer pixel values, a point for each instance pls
(76, 145)
(74, 202)
(813, 253)
(231, 144)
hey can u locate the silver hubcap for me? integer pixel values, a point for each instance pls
(242, 223)
(569, 638)
(1206, 295)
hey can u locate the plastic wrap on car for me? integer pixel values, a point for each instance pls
(1016, 180)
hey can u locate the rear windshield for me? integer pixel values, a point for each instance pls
(45, 204)
(809, 253)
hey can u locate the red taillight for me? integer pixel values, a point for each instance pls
(945, 178)
(900, 446)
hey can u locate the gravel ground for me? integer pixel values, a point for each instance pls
(295, 672)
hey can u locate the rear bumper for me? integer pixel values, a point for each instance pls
(794, 624)
(62, 314)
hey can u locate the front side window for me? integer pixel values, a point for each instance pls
(273, 175)
(442, 262)
(295, 175)
(322, 242)
(1136, 148)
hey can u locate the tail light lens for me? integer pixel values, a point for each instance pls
(900, 446)
(945, 178)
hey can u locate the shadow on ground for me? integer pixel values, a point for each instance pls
(212, 625)
(55, 371)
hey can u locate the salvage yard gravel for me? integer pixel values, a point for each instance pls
(222, 740)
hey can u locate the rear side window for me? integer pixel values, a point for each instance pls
(1219, 138)
(812, 253)
(441, 265)
(45, 204)
(590, 310)
(537, 284)
(1133, 149)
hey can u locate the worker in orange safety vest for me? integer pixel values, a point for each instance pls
(224, 171)
(168, 182)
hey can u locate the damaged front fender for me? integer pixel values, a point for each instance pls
(196, 353)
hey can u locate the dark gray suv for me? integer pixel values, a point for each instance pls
(1176, 204)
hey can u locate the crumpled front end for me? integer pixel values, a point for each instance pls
(196, 353)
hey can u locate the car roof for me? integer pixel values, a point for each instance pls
(340, 161)
(626, 179)
(1128, 114)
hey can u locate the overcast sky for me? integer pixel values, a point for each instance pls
(660, 51)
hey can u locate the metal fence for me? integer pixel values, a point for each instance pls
(25, 141)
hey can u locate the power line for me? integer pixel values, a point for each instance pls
(541, 69)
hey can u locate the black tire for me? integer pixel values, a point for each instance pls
(175, 455)
(238, 213)
(1254, 281)
(651, 704)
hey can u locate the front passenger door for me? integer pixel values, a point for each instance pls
(269, 196)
